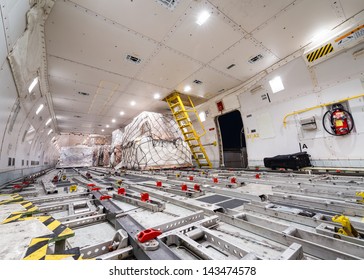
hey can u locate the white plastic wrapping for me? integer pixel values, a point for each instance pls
(153, 140)
(76, 156)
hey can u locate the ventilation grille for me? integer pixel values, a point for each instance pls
(169, 4)
(198, 82)
(230, 66)
(255, 58)
(133, 59)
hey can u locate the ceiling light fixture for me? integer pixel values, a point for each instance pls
(40, 108)
(157, 96)
(107, 126)
(49, 120)
(202, 18)
(276, 84)
(50, 131)
(187, 89)
(33, 84)
(122, 113)
(113, 120)
(102, 130)
(132, 103)
(202, 116)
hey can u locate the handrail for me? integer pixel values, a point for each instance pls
(318, 106)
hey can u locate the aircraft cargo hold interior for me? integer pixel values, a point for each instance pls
(182, 130)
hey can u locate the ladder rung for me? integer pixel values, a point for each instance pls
(181, 119)
(191, 139)
(178, 112)
(188, 132)
(174, 105)
(185, 125)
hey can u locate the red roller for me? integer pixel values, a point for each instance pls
(184, 187)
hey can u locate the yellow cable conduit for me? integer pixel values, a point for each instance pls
(318, 106)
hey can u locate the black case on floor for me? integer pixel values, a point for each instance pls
(292, 161)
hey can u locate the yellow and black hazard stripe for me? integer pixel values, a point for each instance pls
(30, 209)
(59, 230)
(14, 198)
(37, 249)
(320, 52)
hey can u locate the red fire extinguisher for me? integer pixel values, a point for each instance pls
(340, 120)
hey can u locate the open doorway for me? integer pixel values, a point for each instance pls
(233, 140)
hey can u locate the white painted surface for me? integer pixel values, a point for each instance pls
(21, 233)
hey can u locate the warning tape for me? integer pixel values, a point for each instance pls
(38, 247)
(320, 52)
(14, 198)
(30, 209)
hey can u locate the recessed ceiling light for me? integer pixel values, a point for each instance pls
(107, 126)
(187, 89)
(276, 84)
(202, 116)
(132, 103)
(202, 17)
(39, 109)
(113, 120)
(33, 84)
(50, 131)
(157, 96)
(102, 130)
(122, 113)
(49, 120)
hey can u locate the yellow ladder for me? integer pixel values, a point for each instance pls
(180, 114)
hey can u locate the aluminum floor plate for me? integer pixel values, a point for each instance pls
(233, 203)
(212, 199)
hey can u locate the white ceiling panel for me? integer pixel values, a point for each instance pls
(139, 88)
(68, 89)
(70, 105)
(239, 54)
(3, 48)
(204, 42)
(250, 14)
(146, 17)
(168, 68)
(212, 82)
(297, 26)
(351, 7)
(17, 19)
(82, 74)
(87, 39)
